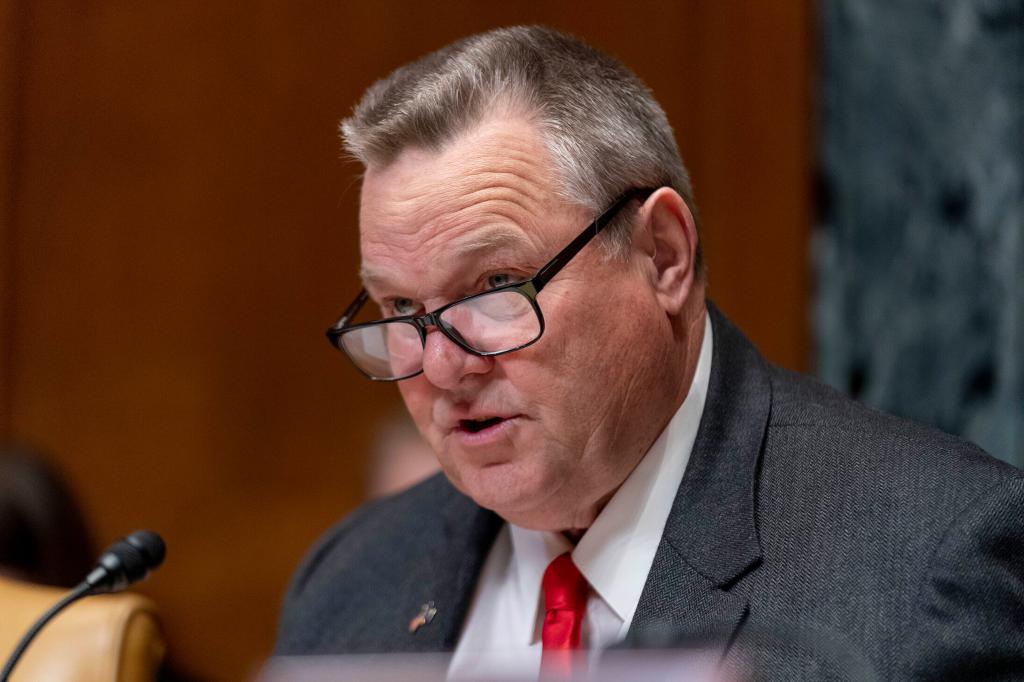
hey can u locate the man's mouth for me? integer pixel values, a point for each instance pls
(478, 425)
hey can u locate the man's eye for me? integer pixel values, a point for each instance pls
(403, 306)
(499, 280)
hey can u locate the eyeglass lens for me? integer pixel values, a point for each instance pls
(489, 323)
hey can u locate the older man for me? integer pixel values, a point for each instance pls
(618, 460)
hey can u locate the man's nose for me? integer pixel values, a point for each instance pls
(445, 364)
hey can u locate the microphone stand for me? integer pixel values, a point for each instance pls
(74, 595)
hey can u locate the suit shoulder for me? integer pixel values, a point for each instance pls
(819, 421)
(800, 400)
(388, 525)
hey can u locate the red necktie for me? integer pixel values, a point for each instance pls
(565, 602)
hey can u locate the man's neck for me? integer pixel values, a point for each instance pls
(574, 534)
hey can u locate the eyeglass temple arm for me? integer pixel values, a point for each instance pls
(602, 221)
(352, 309)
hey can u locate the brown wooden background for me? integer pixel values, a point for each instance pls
(178, 229)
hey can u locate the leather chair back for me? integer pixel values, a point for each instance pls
(106, 638)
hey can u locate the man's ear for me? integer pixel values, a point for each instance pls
(669, 245)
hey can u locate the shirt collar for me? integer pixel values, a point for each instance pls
(616, 552)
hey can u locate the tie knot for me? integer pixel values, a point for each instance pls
(564, 586)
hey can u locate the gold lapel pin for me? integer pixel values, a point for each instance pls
(426, 614)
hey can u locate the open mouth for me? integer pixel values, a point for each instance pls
(478, 425)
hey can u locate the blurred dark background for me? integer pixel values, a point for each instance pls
(177, 228)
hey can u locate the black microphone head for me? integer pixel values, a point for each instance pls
(126, 561)
(150, 544)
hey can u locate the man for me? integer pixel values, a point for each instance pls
(618, 460)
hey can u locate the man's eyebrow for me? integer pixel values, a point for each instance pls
(473, 246)
(371, 277)
(489, 239)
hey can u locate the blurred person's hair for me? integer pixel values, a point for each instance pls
(603, 128)
(43, 535)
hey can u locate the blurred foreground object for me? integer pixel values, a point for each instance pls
(110, 637)
(636, 666)
(43, 536)
(789, 654)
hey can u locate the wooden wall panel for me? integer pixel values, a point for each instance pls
(752, 164)
(10, 34)
(185, 231)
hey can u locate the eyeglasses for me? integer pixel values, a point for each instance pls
(494, 322)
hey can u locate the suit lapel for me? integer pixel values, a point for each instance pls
(710, 539)
(439, 589)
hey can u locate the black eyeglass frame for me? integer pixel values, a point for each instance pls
(528, 289)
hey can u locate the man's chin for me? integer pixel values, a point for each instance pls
(512, 494)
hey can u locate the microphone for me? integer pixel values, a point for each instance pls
(128, 560)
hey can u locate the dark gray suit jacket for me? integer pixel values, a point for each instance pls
(802, 515)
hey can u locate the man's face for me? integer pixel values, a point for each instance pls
(544, 435)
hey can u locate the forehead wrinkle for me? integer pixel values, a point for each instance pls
(505, 217)
(468, 200)
(488, 162)
(470, 190)
(499, 153)
(470, 203)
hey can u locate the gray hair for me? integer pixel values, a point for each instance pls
(601, 125)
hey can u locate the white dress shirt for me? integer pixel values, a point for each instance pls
(501, 638)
